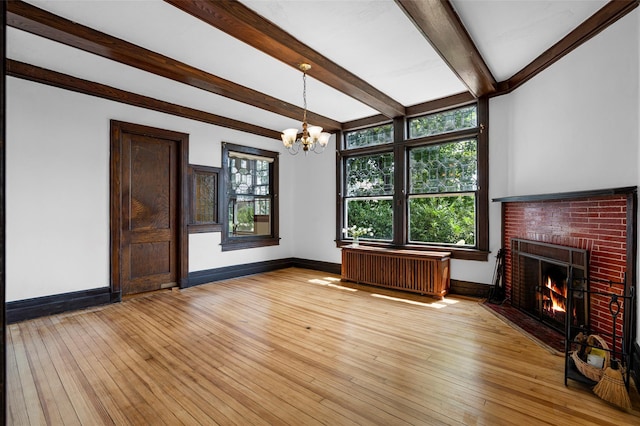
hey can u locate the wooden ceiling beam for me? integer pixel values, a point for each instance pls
(595, 24)
(29, 18)
(442, 27)
(244, 24)
(52, 78)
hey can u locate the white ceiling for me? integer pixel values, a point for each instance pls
(372, 39)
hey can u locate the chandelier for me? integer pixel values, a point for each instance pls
(313, 138)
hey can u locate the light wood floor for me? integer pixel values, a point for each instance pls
(289, 347)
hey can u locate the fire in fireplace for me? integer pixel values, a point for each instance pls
(540, 277)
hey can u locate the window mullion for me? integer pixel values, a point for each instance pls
(400, 182)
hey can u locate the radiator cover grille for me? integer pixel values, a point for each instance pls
(410, 270)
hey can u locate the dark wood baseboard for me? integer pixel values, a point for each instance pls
(21, 310)
(234, 271)
(227, 272)
(470, 289)
(316, 265)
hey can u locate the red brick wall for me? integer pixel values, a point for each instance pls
(597, 224)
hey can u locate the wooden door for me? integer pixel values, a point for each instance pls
(149, 209)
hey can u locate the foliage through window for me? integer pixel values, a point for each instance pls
(439, 201)
(443, 122)
(250, 197)
(369, 137)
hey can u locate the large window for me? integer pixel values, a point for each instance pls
(250, 202)
(419, 183)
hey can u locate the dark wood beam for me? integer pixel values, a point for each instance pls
(436, 105)
(67, 82)
(428, 107)
(239, 21)
(441, 26)
(598, 22)
(42, 23)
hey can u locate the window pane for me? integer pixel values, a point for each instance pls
(376, 213)
(444, 122)
(250, 216)
(443, 219)
(370, 175)
(369, 137)
(248, 176)
(448, 167)
(249, 199)
(205, 197)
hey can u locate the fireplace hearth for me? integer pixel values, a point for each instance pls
(539, 282)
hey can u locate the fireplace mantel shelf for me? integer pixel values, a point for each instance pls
(568, 195)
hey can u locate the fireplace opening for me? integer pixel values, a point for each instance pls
(540, 281)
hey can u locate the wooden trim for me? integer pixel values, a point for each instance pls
(247, 242)
(429, 107)
(235, 271)
(442, 27)
(316, 265)
(240, 22)
(206, 226)
(598, 22)
(117, 129)
(374, 120)
(22, 310)
(568, 195)
(3, 115)
(86, 87)
(29, 18)
(442, 104)
(483, 178)
(469, 289)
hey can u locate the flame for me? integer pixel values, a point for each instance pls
(558, 300)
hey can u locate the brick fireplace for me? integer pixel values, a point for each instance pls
(600, 223)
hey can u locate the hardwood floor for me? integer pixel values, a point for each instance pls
(289, 347)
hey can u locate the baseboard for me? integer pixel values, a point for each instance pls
(470, 289)
(21, 310)
(316, 265)
(234, 271)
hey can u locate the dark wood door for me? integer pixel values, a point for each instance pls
(149, 222)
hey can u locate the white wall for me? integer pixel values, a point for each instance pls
(58, 189)
(573, 127)
(315, 205)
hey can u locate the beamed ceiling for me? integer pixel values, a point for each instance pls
(235, 63)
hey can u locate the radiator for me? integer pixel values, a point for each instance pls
(410, 270)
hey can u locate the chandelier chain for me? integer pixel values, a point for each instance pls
(304, 95)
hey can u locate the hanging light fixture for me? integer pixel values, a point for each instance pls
(313, 138)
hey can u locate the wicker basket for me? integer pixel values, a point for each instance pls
(588, 370)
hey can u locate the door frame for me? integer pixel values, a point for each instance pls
(118, 128)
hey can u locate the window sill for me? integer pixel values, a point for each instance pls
(241, 244)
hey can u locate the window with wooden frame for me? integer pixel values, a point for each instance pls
(204, 206)
(250, 200)
(418, 182)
